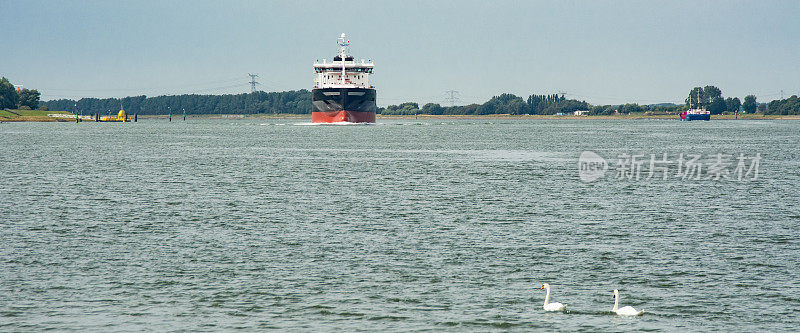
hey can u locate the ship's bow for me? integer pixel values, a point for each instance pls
(333, 105)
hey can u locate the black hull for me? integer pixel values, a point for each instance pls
(344, 99)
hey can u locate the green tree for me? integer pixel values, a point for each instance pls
(29, 98)
(695, 98)
(543, 104)
(704, 97)
(732, 104)
(8, 96)
(407, 108)
(787, 106)
(749, 105)
(630, 107)
(432, 108)
(710, 93)
(603, 110)
(717, 105)
(516, 106)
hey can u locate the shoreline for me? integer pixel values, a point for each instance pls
(493, 116)
(43, 118)
(607, 117)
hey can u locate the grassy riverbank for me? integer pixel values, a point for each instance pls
(642, 115)
(31, 115)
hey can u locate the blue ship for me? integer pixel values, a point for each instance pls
(698, 113)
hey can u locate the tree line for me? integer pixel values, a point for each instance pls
(11, 98)
(294, 101)
(533, 105)
(788, 106)
(502, 104)
(709, 97)
(299, 102)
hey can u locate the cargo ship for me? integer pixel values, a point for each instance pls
(342, 92)
(696, 113)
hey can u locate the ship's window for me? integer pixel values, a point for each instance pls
(331, 93)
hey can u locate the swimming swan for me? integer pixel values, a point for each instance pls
(625, 310)
(555, 306)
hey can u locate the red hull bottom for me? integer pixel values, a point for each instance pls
(342, 116)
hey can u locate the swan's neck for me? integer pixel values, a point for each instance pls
(616, 303)
(547, 296)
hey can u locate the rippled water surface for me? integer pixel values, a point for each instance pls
(405, 225)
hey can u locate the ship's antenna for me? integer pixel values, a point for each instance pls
(452, 96)
(253, 82)
(343, 44)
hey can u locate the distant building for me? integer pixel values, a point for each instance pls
(581, 112)
(18, 87)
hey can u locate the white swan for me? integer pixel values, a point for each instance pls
(625, 310)
(555, 306)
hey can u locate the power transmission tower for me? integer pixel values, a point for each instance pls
(253, 82)
(452, 96)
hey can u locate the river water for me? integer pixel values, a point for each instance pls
(447, 225)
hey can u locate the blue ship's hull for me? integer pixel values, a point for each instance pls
(690, 117)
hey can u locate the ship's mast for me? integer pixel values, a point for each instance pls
(343, 43)
(698, 99)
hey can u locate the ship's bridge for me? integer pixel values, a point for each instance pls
(331, 74)
(344, 71)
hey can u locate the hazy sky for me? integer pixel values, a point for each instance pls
(604, 52)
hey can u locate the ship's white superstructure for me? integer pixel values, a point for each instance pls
(343, 71)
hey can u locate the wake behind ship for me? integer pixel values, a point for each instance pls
(342, 92)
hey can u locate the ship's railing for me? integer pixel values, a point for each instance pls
(346, 64)
(698, 111)
(340, 85)
(347, 69)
